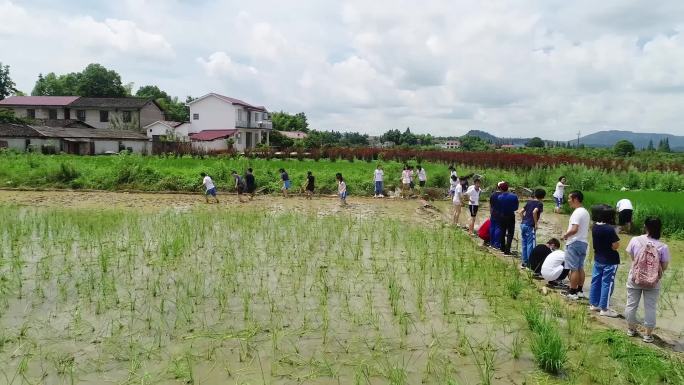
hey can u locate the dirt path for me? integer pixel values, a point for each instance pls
(670, 326)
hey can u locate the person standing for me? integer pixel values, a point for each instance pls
(341, 189)
(650, 258)
(239, 185)
(286, 182)
(559, 194)
(530, 214)
(453, 184)
(452, 171)
(379, 176)
(625, 211)
(606, 260)
(209, 186)
(250, 182)
(508, 204)
(473, 194)
(310, 185)
(457, 202)
(495, 218)
(577, 242)
(422, 177)
(405, 181)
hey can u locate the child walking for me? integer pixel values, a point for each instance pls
(453, 184)
(457, 201)
(378, 177)
(239, 185)
(341, 189)
(528, 225)
(286, 181)
(606, 260)
(209, 186)
(250, 182)
(310, 185)
(650, 259)
(559, 193)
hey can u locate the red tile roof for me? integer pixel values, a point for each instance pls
(38, 100)
(209, 135)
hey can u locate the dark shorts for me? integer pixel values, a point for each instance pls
(240, 190)
(251, 189)
(421, 183)
(563, 275)
(211, 191)
(473, 210)
(310, 188)
(624, 217)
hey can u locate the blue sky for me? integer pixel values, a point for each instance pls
(513, 68)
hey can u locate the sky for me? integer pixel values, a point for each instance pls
(514, 68)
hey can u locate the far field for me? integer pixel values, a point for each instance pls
(164, 289)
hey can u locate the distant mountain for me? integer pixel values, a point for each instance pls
(640, 140)
(597, 139)
(495, 139)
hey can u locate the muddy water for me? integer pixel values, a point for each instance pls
(151, 322)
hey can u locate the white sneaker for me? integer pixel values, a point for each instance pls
(573, 297)
(594, 308)
(580, 294)
(632, 332)
(609, 313)
(381, 196)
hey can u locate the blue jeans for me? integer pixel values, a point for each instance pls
(494, 233)
(602, 284)
(378, 187)
(529, 241)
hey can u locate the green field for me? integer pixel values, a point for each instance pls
(221, 294)
(154, 173)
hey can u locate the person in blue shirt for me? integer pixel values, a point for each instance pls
(494, 218)
(606, 260)
(507, 205)
(530, 214)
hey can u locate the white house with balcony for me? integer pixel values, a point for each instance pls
(217, 120)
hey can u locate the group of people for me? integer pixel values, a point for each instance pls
(649, 260)
(247, 185)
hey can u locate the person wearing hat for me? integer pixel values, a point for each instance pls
(494, 218)
(507, 206)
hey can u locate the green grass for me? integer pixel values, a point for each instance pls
(669, 207)
(159, 173)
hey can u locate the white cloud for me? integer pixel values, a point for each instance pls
(442, 66)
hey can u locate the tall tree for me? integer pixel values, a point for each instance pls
(6, 83)
(282, 121)
(173, 108)
(408, 138)
(624, 148)
(393, 136)
(664, 145)
(535, 142)
(95, 80)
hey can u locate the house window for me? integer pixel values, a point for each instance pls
(104, 116)
(81, 115)
(238, 137)
(126, 116)
(31, 113)
(265, 116)
(195, 116)
(52, 114)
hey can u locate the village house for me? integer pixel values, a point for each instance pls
(72, 139)
(450, 144)
(164, 130)
(218, 122)
(119, 113)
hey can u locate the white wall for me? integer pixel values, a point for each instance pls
(102, 146)
(35, 143)
(214, 114)
(138, 146)
(214, 145)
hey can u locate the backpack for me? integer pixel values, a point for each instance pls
(646, 266)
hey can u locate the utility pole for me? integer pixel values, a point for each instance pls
(578, 136)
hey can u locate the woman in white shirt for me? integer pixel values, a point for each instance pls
(457, 201)
(559, 193)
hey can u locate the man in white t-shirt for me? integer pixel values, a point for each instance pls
(406, 181)
(209, 186)
(577, 242)
(553, 269)
(625, 211)
(559, 194)
(473, 194)
(379, 176)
